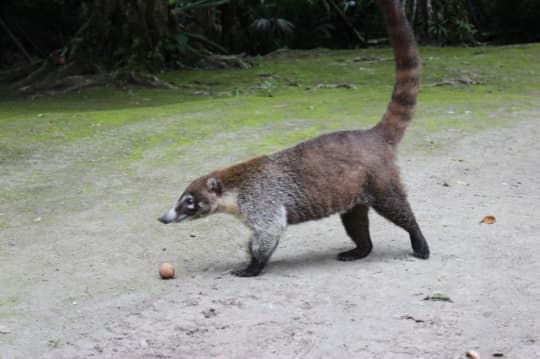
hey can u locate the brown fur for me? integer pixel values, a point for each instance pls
(342, 172)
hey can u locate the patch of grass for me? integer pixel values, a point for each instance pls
(109, 133)
(55, 343)
(503, 74)
(3, 225)
(6, 304)
(9, 301)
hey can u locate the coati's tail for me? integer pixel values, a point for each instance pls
(401, 107)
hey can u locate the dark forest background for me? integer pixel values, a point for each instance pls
(73, 38)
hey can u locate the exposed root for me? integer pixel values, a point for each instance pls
(50, 79)
(142, 79)
(213, 61)
(19, 72)
(64, 85)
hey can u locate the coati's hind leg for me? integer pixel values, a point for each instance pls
(267, 231)
(356, 224)
(392, 204)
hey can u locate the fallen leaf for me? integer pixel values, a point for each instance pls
(471, 354)
(488, 220)
(498, 355)
(439, 298)
(410, 317)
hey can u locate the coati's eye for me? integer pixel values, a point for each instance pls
(189, 201)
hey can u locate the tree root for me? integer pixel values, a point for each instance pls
(19, 72)
(140, 78)
(48, 78)
(213, 61)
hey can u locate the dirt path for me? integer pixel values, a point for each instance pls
(79, 267)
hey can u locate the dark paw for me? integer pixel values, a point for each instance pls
(354, 254)
(246, 272)
(421, 250)
(252, 270)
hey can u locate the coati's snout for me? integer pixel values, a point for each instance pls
(199, 200)
(179, 213)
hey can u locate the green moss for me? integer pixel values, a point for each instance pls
(6, 304)
(503, 74)
(3, 225)
(107, 131)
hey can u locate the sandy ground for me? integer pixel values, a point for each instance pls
(78, 268)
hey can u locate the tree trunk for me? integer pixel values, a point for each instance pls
(124, 33)
(120, 39)
(230, 25)
(424, 14)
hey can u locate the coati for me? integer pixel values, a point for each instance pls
(344, 172)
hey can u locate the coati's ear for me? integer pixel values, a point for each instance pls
(214, 185)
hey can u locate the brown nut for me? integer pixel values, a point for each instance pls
(166, 271)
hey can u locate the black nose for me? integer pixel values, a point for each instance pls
(162, 220)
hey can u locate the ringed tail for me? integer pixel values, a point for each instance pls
(401, 107)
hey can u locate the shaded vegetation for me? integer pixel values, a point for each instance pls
(156, 33)
(124, 42)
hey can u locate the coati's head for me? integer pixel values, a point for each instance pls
(200, 199)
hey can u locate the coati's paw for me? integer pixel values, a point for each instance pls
(354, 254)
(421, 250)
(246, 272)
(252, 270)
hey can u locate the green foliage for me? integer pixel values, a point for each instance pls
(188, 43)
(55, 343)
(261, 26)
(267, 87)
(182, 42)
(449, 23)
(183, 6)
(464, 32)
(267, 30)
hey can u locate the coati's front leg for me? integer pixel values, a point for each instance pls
(261, 247)
(268, 228)
(356, 225)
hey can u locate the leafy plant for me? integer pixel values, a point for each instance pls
(267, 29)
(267, 87)
(188, 41)
(448, 23)
(438, 30)
(464, 31)
(182, 6)
(55, 343)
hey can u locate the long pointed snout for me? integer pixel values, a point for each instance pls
(168, 217)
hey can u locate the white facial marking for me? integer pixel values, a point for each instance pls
(186, 199)
(228, 203)
(170, 215)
